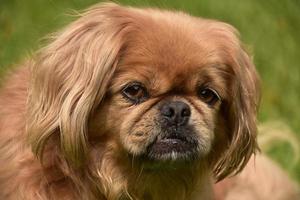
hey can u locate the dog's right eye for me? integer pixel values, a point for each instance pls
(135, 92)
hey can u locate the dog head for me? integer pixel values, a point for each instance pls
(166, 87)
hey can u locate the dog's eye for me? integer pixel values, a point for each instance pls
(135, 92)
(209, 96)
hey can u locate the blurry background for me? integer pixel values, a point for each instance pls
(270, 29)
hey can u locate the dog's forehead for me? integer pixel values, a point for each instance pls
(163, 44)
(174, 49)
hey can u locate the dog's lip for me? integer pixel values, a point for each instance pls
(170, 137)
(170, 140)
(166, 147)
(170, 144)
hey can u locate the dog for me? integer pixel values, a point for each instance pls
(129, 103)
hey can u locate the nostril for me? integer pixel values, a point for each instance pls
(176, 112)
(168, 111)
(186, 112)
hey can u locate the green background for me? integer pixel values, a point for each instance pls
(271, 30)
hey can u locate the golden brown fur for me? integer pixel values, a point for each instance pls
(66, 131)
(260, 180)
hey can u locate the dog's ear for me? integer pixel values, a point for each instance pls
(70, 78)
(239, 116)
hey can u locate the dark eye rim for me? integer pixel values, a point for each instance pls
(212, 102)
(135, 100)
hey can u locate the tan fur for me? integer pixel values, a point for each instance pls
(261, 179)
(66, 132)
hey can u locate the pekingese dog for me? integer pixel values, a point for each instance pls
(129, 103)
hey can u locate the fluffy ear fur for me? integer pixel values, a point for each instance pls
(70, 78)
(240, 113)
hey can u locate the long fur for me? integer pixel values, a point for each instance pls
(260, 179)
(57, 114)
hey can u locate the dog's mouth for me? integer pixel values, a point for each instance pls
(173, 147)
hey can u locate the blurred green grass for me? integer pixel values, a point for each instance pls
(271, 30)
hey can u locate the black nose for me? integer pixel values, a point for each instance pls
(176, 112)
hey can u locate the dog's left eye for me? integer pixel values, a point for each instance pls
(135, 92)
(209, 96)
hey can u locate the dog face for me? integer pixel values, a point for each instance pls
(166, 97)
(165, 87)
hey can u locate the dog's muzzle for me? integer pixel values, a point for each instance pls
(177, 140)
